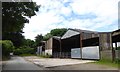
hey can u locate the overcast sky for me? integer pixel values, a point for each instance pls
(96, 15)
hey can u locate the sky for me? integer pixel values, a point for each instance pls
(94, 15)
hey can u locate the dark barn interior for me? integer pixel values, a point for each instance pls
(68, 43)
(56, 48)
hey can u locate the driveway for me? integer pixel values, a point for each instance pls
(18, 63)
(67, 64)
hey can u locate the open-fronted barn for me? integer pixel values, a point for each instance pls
(82, 44)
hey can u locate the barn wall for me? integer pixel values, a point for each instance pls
(106, 54)
(49, 43)
(105, 44)
(105, 41)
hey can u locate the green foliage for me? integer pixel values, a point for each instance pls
(108, 62)
(30, 43)
(7, 47)
(16, 37)
(58, 32)
(24, 50)
(38, 39)
(55, 32)
(47, 36)
(13, 15)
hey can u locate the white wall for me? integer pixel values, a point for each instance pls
(49, 51)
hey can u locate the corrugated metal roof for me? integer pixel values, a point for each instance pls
(57, 37)
(85, 31)
(69, 34)
(73, 32)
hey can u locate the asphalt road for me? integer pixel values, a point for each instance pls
(18, 63)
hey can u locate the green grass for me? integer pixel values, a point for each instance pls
(27, 55)
(109, 62)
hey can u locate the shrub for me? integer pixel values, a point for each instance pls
(7, 47)
(24, 50)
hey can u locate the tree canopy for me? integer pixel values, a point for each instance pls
(14, 17)
(55, 32)
(58, 31)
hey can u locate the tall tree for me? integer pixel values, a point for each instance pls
(14, 16)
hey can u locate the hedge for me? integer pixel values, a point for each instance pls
(24, 50)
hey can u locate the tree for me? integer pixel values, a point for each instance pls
(55, 32)
(47, 36)
(58, 32)
(16, 37)
(29, 43)
(14, 16)
(38, 39)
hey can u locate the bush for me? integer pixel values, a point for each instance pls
(7, 47)
(24, 50)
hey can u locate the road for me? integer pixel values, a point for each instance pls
(18, 63)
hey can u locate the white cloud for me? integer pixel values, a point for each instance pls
(49, 16)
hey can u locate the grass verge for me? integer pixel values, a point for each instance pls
(107, 62)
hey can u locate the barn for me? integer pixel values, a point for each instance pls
(83, 44)
(77, 43)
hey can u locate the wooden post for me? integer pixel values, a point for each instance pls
(115, 45)
(60, 48)
(81, 44)
(113, 51)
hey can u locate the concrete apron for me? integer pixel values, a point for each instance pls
(53, 62)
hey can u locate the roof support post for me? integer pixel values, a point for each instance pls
(81, 44)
